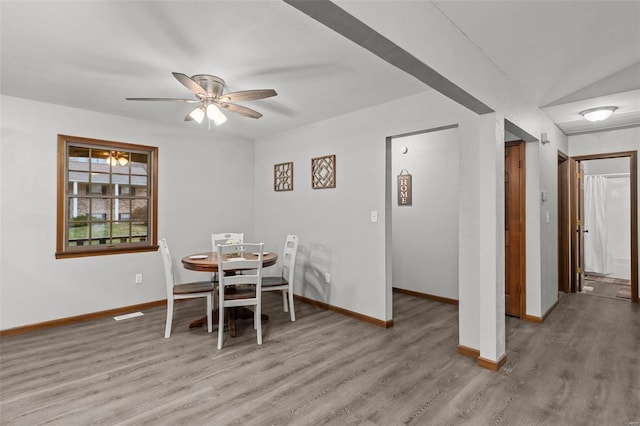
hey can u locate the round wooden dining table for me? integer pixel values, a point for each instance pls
(208, 262)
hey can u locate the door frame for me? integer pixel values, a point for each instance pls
(633, 171)
(564, 228)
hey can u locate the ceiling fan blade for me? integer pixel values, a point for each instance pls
(191, 101)
(190, 84)
(247, 112)
(248, 95)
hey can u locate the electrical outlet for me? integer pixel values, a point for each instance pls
(138, 278)
(327, 277)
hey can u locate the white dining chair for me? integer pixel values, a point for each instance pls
(224, 238)
(183, 291)
(236, 290)
(284, 282)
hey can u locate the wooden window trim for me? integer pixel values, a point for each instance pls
(152, 238)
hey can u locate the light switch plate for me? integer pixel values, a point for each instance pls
(374, 216)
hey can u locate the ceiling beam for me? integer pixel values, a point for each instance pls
(337, 19)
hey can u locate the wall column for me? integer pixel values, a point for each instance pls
(491, 248)
(481, 242)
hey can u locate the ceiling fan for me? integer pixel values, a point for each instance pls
(209, 91)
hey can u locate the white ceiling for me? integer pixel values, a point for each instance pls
(567, 56)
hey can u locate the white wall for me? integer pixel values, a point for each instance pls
(425, 234)
(459, 60)
(194, 174)
(334, 227)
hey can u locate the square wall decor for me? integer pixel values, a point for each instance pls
(323, 172)
(283, 176)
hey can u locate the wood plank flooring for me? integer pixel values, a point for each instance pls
(580, 367)
(596, 285)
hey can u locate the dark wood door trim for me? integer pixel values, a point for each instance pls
(633, 171)
(575, 225)
(564, 228)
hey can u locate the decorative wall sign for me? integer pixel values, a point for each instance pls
(283, 176)
(323, 172)
(404, 188)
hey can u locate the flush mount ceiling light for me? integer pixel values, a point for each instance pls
(598, 114)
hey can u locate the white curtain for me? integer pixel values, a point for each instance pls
(596, 255)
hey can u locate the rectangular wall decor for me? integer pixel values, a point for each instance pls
(323, 172)
(283, 176)
(404, 189)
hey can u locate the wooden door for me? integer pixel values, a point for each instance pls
(577, 224)
(514, 228)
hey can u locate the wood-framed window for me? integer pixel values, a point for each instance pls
(107, 197)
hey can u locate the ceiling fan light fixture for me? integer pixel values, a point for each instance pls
(214, 113)
(197, 114)
(598, 114)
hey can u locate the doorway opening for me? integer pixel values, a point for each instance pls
(422, 214)
(604, 246)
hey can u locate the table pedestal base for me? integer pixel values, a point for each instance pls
(236, 313)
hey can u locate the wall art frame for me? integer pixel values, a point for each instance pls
(323, 172)
(283, 176)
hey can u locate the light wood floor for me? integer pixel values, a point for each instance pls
(580, 367)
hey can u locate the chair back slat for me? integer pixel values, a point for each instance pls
(289, 257)
(246, 257)
(168, 266)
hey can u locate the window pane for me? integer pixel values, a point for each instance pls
(139, 231)
(120, 161)
(121, 230)
(78, 158)
(122, 208)
(140, 181)
(100, 209)
(100, 233)
(139, 210)
(77, 183)
(100, 183)
(120, 179)
(100, 160)
(78, 210)
(78, 234)
(139, 163)
(125, 190)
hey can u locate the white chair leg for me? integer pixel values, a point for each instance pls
(284, 301)
(258, 322)
(209, 314)
(167, 327)
(220, 322)
(292, 311)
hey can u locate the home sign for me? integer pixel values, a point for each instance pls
(404, 188)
